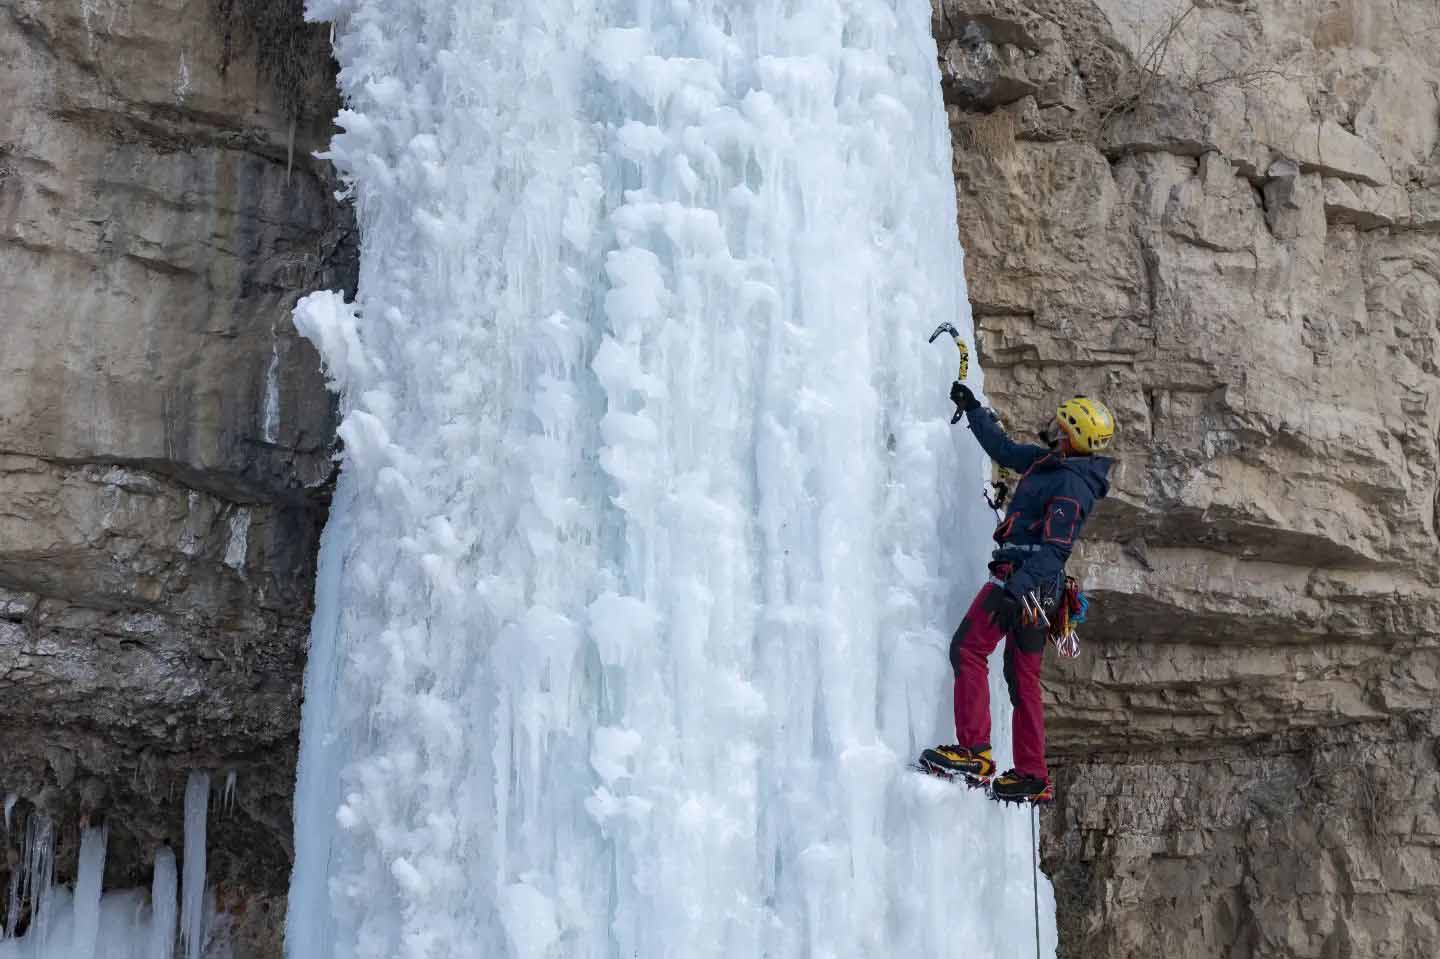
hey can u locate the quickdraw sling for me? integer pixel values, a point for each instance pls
(1069, 613)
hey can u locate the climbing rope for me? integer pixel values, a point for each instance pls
(1035, 878)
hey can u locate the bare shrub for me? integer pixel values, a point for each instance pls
(1172, 53)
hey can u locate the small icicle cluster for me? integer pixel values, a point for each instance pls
(46, 921)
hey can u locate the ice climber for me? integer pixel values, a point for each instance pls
(1026, 595)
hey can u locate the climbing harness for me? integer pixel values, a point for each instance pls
(1065, 615)
(964, 360)
(1069, 613)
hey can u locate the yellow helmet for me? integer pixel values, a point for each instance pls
(1088, 423)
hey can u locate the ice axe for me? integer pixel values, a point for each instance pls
(964, 359)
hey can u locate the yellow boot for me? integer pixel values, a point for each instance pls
(973, 765)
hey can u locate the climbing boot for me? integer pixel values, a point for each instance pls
(973, 765)
(1017, 787)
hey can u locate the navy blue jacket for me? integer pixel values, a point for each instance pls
(1049, 505)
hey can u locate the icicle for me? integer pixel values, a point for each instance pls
(227, 800)
(39, 865)
(162, 906)
(290, 148)
(192, 904)
(12, 914)
(14, 890)
(90, 873)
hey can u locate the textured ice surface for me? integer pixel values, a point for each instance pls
(651, 530)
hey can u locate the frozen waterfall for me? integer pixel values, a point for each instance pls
(651, 530)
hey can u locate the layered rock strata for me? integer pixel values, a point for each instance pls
(1221, 217)
(165, 437)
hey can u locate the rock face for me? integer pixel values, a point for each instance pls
(165, 437)
(1221, 217)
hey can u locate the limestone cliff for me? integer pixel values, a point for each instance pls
(165, 437)
(1224, 217)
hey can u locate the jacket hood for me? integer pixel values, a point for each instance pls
(1094, 470)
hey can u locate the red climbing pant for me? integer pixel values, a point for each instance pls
(970, 649)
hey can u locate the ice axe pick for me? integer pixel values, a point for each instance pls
(964, 359)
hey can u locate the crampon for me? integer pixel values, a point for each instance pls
(973, 782)
(1021, 790)
(973, 767)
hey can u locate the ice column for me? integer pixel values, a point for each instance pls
(162, 906)
(90, 873)
(192, 902)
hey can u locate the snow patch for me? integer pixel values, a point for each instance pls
(189, 534)
(270, 415)
(238, 543)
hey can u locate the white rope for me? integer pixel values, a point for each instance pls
(1035, 877)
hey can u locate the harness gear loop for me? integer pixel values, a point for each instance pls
(1069, 613)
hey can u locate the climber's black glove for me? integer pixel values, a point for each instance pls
(963, 399)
